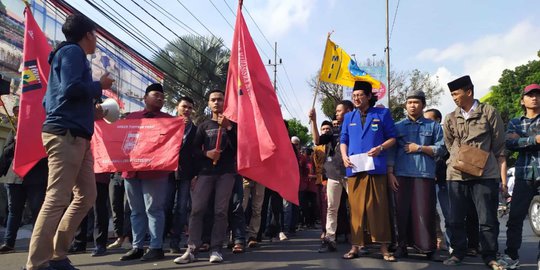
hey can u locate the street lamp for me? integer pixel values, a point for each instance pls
(373, 55)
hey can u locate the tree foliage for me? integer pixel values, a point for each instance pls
(197, 64)
(403, 82)
(506, 95)
(297, 129)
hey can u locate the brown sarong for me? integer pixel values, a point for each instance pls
(368, 199)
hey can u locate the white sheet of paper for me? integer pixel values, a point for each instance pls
(362, 163)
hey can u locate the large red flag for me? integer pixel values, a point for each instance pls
(265, 153)
(29, 148)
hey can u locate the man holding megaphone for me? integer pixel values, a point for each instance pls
(66, 133)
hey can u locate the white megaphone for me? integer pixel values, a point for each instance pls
(111, 110)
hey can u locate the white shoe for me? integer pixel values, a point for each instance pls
(187, 257)
(216, 257)
(282, 236)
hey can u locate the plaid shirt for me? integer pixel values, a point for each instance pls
(528, 161)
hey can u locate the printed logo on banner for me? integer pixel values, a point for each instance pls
(130, 141)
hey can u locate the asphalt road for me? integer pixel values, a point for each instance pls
(299, 252)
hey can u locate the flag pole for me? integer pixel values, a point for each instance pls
(320, 71)
(8, 116)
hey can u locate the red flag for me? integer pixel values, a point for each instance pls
(147, 144)
(29, 148)
(265, 153)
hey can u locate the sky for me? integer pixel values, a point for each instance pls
(447, 39)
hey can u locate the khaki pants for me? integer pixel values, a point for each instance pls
(334, 188)
(71, 171)
(368, 199)
(256, 191)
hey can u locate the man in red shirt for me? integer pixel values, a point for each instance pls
(146, 190)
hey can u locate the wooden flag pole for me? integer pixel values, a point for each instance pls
(8, 116)
(320, 71)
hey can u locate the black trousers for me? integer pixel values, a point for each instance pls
(120, 208)
(523, 193)
(101, 217)
(484, 193)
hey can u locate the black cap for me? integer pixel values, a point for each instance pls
(363, 85)
(154, 87)
(460, 83)
(417, 94)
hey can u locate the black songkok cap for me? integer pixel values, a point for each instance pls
(154, 87)
(362, 85)
(460, 83)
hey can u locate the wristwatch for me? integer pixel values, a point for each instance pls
(419, 149)
(381, 147)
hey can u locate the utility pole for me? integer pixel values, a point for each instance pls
(387, 50)
(275, 64)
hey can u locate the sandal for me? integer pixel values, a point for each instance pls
(238, 248)
(452, 261)
(495, 265)
(353, 253)
(389, 257)
(204, 247)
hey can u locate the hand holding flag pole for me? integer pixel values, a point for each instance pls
(218, 143)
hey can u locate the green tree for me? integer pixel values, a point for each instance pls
(329, 95)
(197, 64)
(403, 82)
(297, 129)
(506, 95)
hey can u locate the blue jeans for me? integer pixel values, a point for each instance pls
(442, 195)
(291, 213)
(484, 193)
(237, 220)
(147, 201)
(180, 201)
(18, 194)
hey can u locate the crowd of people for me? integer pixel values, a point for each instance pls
(374, 181)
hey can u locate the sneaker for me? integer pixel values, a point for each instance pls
(133, 254)
(116, 244)
(216, 257)
(153, 254)
(6, 249)
(64, 264)
(187, 257)
(99, 251)
(77, 247)
(327, 246)
(508, 262)
(282, 236)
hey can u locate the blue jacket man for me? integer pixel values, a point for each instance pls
(368, 130)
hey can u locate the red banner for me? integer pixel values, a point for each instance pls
(147, 144)
(265, 153)
(29, 148)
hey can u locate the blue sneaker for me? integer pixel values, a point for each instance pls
(64, 264)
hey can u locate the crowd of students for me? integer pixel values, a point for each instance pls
(367, 177)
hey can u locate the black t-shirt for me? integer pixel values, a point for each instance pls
(333, 166)
(205, 140)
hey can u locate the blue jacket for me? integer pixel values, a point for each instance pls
(69, 100)
(378, 128)
(422, 132)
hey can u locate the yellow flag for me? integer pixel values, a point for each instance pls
(339, 68)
